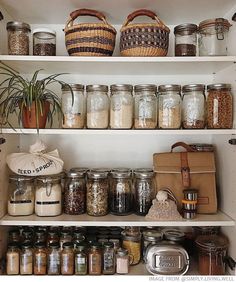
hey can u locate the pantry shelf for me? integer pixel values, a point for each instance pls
(219, 219)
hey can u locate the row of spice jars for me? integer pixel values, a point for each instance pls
(148, 109)
(44, 40)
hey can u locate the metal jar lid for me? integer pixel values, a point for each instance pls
(97, 173)
(68, 245)
(121, 173)
(76, 174)
(143, 173)
(212, 243)
(13, 245)
(153, 235)
(135, 238)
(18, 26)
(122, 252)
(173, 235)
(121, 87)
(79, 169)
(54, 245)
(20, 178)
(186, 28)
(40, 245)
(97, 88)
(26, 245)
(44, 30)
(219, 86)
(74, 87)
(169, 87)
(81, 246)
(145, 87)
(215, 22)
(193, 87)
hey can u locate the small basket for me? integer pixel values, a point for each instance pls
(89, 39)
(144, 39)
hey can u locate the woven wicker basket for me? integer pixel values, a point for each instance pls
(144, 39)
(89, 39)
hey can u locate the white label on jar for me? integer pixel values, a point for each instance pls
(80, 260)
(215, 112)
(54, 263)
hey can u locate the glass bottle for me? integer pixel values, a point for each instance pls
(122, 261)
(73, 106)
(120, 195)
(26, 259)
(13, 259)
(95, 259)
(121, 110)
(133, 245)
(14, 236)
(81, 263)
(78, 237)
(145, 110)
(67, 259)
(40, 259)
(65, 237)
(108, 258)
(40, 236)
(53, 237)
(44, 42)
(54, 259)
(97, 106)
(193, 106)
(150, 237)
(27, 235)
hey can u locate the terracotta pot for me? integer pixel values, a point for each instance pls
(29, 116)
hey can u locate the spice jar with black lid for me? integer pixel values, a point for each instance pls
(54, 259)
(13, 259)
(122, 261)
(67, 259)
(95, 259)
(40, 259)
(81, 263)
(26, 259)
(108, 258)
(44, 42)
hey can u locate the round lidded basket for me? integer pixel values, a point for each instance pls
(89, 39)
(144, 39)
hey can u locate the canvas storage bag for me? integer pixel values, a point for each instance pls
(188, 169)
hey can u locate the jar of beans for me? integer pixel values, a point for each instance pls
(219, 106)
(44, 42)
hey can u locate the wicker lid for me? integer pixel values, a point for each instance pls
(221, 22)
(67, 87)
(121, 87)
(187, 27)
(193, 87)
(169, 87)
(97, 87)
(145, 87)
(18, 26)
(219, 86)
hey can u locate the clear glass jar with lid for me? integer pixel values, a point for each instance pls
(40, 259)
(48, 197)
(20, 195)
(120, 194)
(108, 258)
(75, 193)
(213, 37)
(18, 38)
(122, 261)
(185, 39)
(65, 237)
(150, 237)
(13, 259)
(81, 262)
(145, 110)
(133, 245)
(169, 106)
(44, 42)
(97, 106)
(95, 259)
(54, 259)
(73, 106)
(26, 259)
(67, 259)
(121, 110)
(97, 192)
(193, 106)
(219, 106)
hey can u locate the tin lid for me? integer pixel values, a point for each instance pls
(65, 232)
(122, 252)
(95, 245)
(97, 87)
(68, 245)
(81, 246)
(108, 244)
(44, 30)
(20, 178)
(153, 235)
(40, 245)
(54, 245)
(212, 242)
(121, 87)
(26, 245)
(143, 172)
(193, 87)
(190, 191)
(76, 173)
(188, 27)
(40, 232)
(145, 87)
(13, 245)
(68, 87)
(18, 25)
(214, 22)
(173, 235)
(135, 238)
(97, 173)
(79, 169)
(121, 173)
(219, 86)
(169, 87)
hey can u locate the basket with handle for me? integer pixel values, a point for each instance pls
(89, 39)
(144, 39)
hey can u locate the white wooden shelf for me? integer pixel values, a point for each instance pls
(219, 219)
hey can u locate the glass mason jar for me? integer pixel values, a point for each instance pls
(18, 38)
(150, 237)
(121, 110)
(144, 190)
(44, 42)
(97, 106)
(48, 197)
(145, 110)
(213, 37)
(75, 193)
(193, 106)
(40, 259)
(133, 245)
(219, 106)
(185, 40)
(108, 258)
(20, 195)
(54, 259)
(97, 193)
(65, 237)
(73, 108)
(169, 106)
(81, 263)
(120, 193)
(26, 259)
(95, 259)
(13, 259)
(122, 261)
(67, 259)
(14, 236)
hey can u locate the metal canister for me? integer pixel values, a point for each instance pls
(150, 237)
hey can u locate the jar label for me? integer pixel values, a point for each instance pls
(21, 202)
(216, 112)
(80, 260)
(48, 203)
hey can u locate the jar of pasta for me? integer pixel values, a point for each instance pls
(133, 245)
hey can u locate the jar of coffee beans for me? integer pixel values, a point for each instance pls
(44, 42)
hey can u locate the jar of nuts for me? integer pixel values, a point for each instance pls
(219, 106)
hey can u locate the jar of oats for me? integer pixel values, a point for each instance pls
(219, 106)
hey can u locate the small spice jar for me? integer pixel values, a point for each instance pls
(40, 259)
(18, 38)
(122, 261)
(213, 37)
(26, 259)
(193, 106)
(169, 106)
(78, 237)
(145, 110)
(97, 106)
(67, 259)
(44, 42)
(40, 236)
(185, 39)
(219, 106)
(81, 263)
(108, 258)
(133, 245)
(13, 259)
(53, 237)
(95, 259)
(54, 259)
(73, 106)
(27, 235)
(75, 193)
(150, 237)
(65, 238)
(144, 190)
(120, 194)
(97, 193)
(14, 236)
(121, 110)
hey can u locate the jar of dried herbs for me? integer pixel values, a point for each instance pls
(108, 258)
(67, 259)
(81, 263)
(40, 259)
(95, 259)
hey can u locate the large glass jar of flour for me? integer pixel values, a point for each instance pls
(48, 197)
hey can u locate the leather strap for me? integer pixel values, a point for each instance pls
(185, 170)
(184, 145)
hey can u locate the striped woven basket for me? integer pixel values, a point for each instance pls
(89, 39)
(144, 39)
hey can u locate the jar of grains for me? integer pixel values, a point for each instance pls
(219, 106)
(145, 110)
(81, 259)
(121, 110)
(67, 259)
(18, 38)
(40, 259)
(73, 106)
(213, 37)
(95, 259)
(186, 39)
(122, 261)
(97, 106)
(120, 194)
(48, 198)
(169, 106)
(108, 258)
(54, 259)
(26, 259)
(44, 42)
(97, 192)
(193, 106)
(13, 259)
(75, 193)
(133, 245)
(21, 195)
(144, 190)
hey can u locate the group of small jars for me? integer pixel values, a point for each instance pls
(148, 109)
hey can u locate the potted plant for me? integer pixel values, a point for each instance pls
(31, 100)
